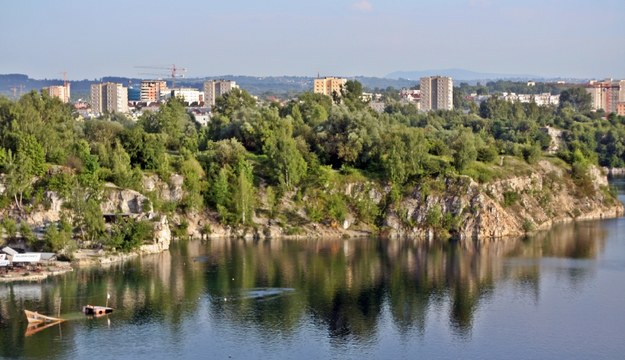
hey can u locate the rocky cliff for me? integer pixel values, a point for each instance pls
(506, 207)
(455, 206)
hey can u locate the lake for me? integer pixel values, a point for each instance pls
(559, 294)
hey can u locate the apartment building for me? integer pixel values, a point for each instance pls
(152, 90)
(109, 97)
(216, 88)
(58, 91)
(329, 85)
(606, 94)
(437, 93)
(188, 95)
(539, 99)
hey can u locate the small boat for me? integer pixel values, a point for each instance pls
(96, 310)
(36, 318)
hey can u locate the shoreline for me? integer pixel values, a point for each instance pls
(88, 258)
(60, 268)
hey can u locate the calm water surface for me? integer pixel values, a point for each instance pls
(559, 295)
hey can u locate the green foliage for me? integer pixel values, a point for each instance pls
(128, 234)
(298, 147)
(22, 169)
(532, 153)
(10, 228)
(487, 154)
(528, 226)
(233, 101)
(174, 124)
(464, 150)
(434, 217)
(577, 98)
(336, 208)
(193, 174)
(58, 237)
(27, 234)
(272, 201)
(510, 198)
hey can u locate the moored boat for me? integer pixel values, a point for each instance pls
(96, 310)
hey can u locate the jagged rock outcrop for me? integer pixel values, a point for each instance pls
(170, 191)
(162, 237)
(125, 201)
(507, 207)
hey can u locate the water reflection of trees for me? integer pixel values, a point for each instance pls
(341, 286)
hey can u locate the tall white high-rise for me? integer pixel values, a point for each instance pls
(109, 97)
(437, 93)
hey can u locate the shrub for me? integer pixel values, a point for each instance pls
(510, 198)
(128, 234)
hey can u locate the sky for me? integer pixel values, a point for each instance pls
(89, 39)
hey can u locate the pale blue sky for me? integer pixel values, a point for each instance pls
(90, 39)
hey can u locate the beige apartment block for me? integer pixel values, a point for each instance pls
(58, 91)
(329, 85)
(437, 93)
(216, 88)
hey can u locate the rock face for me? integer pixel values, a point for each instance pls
(170, 191)
(508, 207)
(125, 201)
(162, 237)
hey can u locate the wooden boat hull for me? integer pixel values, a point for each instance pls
(34, 317)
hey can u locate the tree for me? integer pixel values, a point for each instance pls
(243, 192)
(128, 234)
(289, 166)
(576, 97)
(352, 94)
(192, 173)
(233, 101)
(464, 149)
(28, 163)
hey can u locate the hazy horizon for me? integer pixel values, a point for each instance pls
(89, 40)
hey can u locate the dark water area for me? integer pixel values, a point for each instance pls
(557, 295)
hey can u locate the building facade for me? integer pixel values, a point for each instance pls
(329, 86)
(58, 91)
(188, 95)
(109, 97)
(216, 88)
(437, 93)
(542, 99)
(606, 94)
(152, 90)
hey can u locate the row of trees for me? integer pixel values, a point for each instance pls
(293, 147)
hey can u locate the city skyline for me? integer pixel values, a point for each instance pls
(88, 40)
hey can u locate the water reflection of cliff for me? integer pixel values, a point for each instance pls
(343, 287)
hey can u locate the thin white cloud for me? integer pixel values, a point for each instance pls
(362, 5)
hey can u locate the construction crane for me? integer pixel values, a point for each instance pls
(173, 72)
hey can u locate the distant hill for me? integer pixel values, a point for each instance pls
(79, 88)
(280, 86)
(459, 74)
